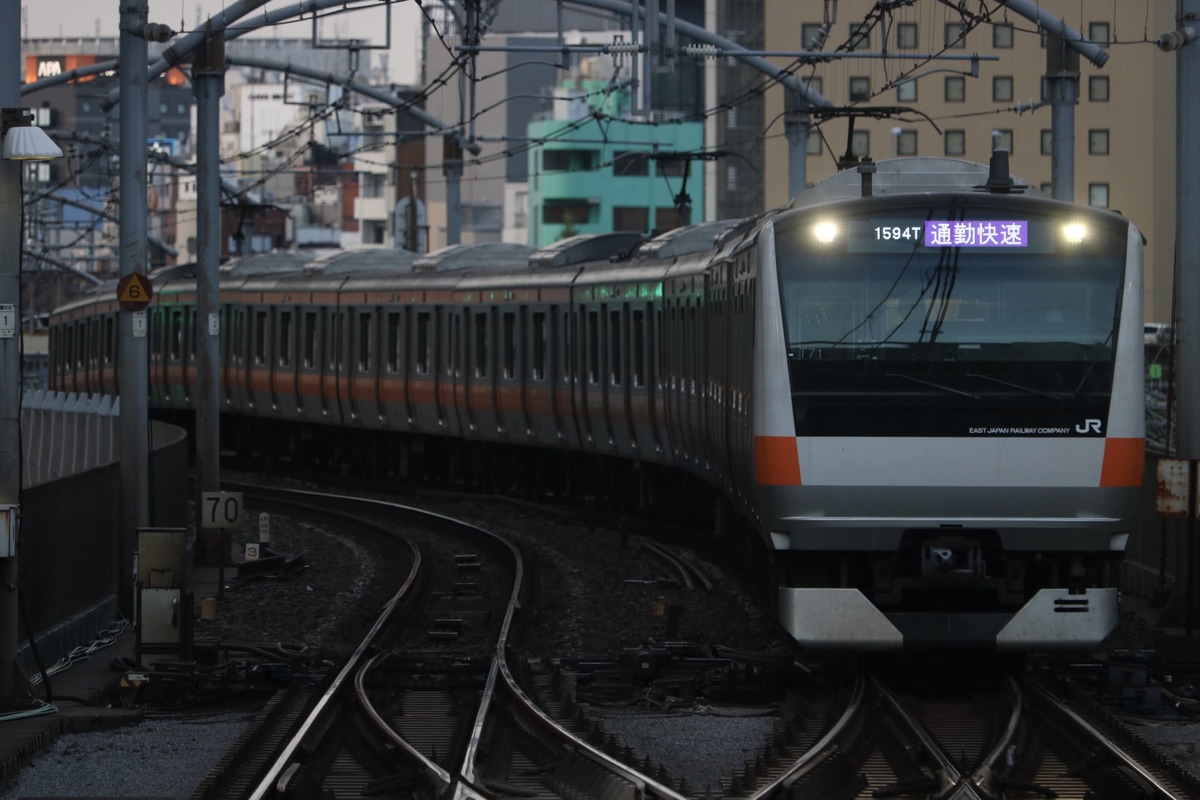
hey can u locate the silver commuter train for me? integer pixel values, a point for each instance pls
(918, 390)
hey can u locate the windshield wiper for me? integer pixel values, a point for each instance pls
(944, 388)
(1016, 386)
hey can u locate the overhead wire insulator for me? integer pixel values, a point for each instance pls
(702, 50)
(623, 48)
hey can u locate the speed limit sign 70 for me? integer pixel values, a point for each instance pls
(221, 509)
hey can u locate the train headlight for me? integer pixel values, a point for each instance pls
(825, 232)
(1074, 232)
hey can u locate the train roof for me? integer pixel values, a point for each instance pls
(587, 247)
(698, 238)
(489, 255)
(895, 176)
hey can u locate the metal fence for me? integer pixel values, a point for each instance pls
(66, 434)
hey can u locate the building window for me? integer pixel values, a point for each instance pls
(180, 109)
(1098, 195)
(812, 146)
(1045, 89)
(1098, 88)
(1098, 142)
(1047, 141)
(1002, 37)
(1002, 89)
(956, 36)
(813, 83)
(1098, 33)
(1002, 140)
(860, 36)
(906, 36)
(85, 107)
(956, 143)
(956, 89)
(568, 160)
(563, 212)
(628, 163)
(731, 178)
(812, 36)
(731, 117)
(860, 143)
(860, 88)
(631, 218)
(1048, 187)
(906, 143)
(906, 91)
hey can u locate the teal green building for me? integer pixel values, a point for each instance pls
(592, 175)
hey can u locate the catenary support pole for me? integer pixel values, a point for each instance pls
(1062, 73)
(1187, 234)
(208, 84)
(10, 353)
(132, 329)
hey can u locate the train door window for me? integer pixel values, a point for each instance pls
(567, 345)
(190, 328)
(694, 338)
(93, 342)
(593, 347)
(422, 346)
(175, 334)
(393, 341)
(260, 337)
(481, 342)
(285, 338)
(539, 345)
(156, 326)
(310, 339)
(110, 340)
(638, 345)
(364, 342)
(454, 323)
(510, 344)
(334, 339)
(614, 347)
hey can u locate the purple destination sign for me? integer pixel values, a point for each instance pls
(977, 233)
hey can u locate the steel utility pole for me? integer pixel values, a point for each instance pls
(208, 84)
(10, 354)
(132, 350)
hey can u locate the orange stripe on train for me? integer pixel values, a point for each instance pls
(776, 461)
(1124, 461)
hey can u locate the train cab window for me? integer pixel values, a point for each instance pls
(260, 337)
(310, 339)
(481, 343)
(393, 342)
(639, 348)
(175, 349)
(614, 347)
(510, 344)
(421, 354)
(364, 342)
(285, 338)
(593, 347)
(539, 346)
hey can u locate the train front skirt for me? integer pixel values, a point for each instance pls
(829, 619)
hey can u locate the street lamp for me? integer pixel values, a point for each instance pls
(24, 141)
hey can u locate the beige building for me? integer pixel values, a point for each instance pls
(1124, 122)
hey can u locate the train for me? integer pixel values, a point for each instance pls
(914, 392)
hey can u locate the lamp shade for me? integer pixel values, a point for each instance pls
(29, 143)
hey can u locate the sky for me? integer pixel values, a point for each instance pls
(53, 18)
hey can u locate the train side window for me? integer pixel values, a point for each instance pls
(593, 347)
(393, 341)
(639, 348)
(285, 338)
(260, 337)
(364, 342)
(175, 349)
(422, 347)
(614, 346)
(310, 339)
(539, 345)
(481, 352)
(510, 344)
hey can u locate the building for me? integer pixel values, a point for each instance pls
(1124, 121)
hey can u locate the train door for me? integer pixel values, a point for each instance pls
(670, 369)
(237, 363)
(108, 377)
(620, 388)
(565, 373)
(392, 402)
(283, 380)
(449, 369)
(423, 372)
(310, 396)
(335, 360)
(176, 356)
(364, 377)
(518, 409)
(587, 377)
(261, 395)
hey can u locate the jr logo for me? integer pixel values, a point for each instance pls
(1088, 426)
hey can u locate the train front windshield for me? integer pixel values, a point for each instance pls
(951, 322)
